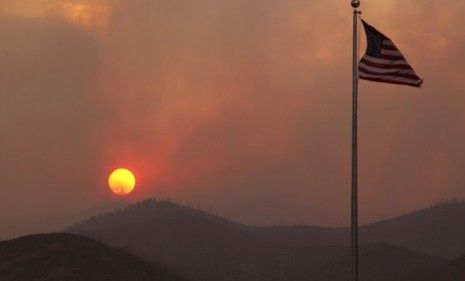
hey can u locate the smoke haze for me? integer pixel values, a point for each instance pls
(239, 106)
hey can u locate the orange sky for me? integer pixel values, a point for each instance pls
(239, 106)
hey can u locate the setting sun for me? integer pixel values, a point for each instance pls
(122, 181)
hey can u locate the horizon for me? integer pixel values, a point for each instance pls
(192, 206)
(242, 107)
(121, 205)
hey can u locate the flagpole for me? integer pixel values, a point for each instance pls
(354, 196)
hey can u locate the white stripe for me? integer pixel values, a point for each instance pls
(388, 43)
(391, 78)
(384, 61)
(387, 71)
(390, 52)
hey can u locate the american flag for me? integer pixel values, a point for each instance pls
(383, 62)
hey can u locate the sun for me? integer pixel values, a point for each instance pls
(122, 181)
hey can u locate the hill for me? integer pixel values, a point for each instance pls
(204, 247)
(381, 262)
(67, 257)
(452, 271)
(437, 231)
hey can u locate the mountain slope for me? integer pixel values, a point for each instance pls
(437, 231)
(452, 271)
(195, 242)
(204, 247)
(382, 262)
(67, 257)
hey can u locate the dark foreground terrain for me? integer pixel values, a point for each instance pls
(205, 247)
(67, 257)
(454, 270)
(437, 231)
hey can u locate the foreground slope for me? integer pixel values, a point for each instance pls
(67, 257)
(382, 262)
(204, 247)
(452, 271)
(196, 243)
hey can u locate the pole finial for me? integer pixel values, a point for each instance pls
(355, 4)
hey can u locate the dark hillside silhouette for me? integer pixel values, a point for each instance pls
(304, 235)
(197, 243)
(67, 257)
(452, 271)
(437, 231)
(204, 247)
(381, 262)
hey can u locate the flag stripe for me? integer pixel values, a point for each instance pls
(385, 65)
(391, 57)
(392, 74)
(386, 70)
(388, 42)
(390, 77)
(391, 52)
(389, 47)
(417, 84)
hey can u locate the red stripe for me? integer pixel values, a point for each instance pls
(393, 82)
(395, 74)
(386, 66)
(391, 57)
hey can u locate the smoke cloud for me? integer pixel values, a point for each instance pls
(239, 106)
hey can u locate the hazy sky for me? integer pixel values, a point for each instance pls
(240, 106)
